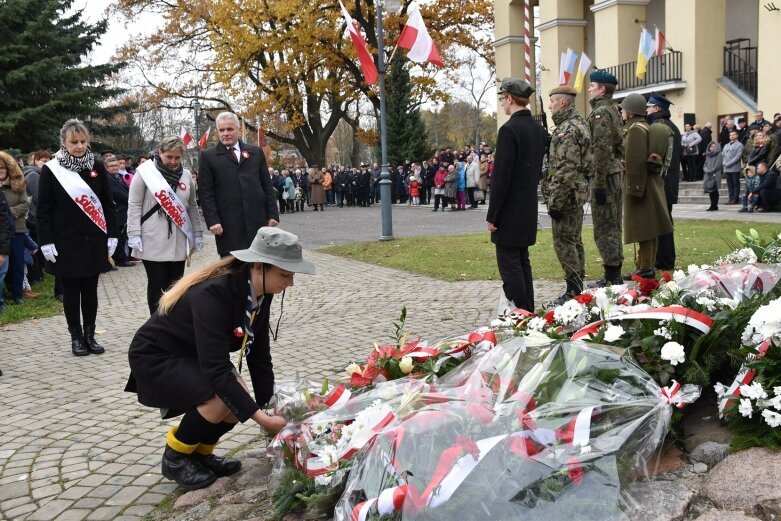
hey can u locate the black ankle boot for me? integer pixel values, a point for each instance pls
(220, 466)
(78, 347)
(574, 287)
(186, 470)
(89, 340)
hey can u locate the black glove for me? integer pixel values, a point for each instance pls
(555, 214)
(600, 196)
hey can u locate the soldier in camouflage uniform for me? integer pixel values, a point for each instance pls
(565, 189)
(607, 149)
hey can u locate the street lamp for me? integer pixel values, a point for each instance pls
(196, 106)
(385, 182)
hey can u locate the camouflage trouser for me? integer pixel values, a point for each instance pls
(607, 223)
(568, 244)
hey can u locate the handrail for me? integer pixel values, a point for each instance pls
(741, 72)
(660, 69)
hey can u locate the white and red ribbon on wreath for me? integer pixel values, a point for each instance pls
(671, 395)
(338, 397)
(745, 376)
(684, 315)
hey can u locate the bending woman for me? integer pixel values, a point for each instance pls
(180, 358)
(163, 223)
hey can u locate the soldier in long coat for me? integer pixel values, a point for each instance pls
(645, 208)
(235, 189)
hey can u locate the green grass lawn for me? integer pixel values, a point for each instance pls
(472, 257)
(44, 306)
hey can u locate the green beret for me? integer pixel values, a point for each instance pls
(603, 77)
(516, 87)
(563, 89)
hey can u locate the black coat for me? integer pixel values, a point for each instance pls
(182, 359)
(520, 147)
(707, 137)
(673, 177)
(81, 245)
(6, 226)
(237, 196)
(769, 182)
(342, 182)
(120, 193)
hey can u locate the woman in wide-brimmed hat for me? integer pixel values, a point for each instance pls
(180, 358)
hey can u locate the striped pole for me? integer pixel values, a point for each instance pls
(527, 41)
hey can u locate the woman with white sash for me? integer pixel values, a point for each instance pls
(163, 223)
(77, 230)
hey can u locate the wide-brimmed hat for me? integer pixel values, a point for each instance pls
(276, 247)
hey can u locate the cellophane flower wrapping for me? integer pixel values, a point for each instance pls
(728, 281)
(529, 430)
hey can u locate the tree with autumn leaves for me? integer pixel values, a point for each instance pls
(287, 63)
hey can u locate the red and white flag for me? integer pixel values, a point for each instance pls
(416, 39)
(364, 56)
(186, 137)
(204, 138)
(660, 42)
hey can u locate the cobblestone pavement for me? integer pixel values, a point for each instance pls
(74, 446)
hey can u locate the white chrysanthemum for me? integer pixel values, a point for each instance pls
(707, 303)
(777, 391)
(772, 418)
(692, 269)
(319, 428)
(678, 276)
(729, 302)
(323, 480)
(568, 312)
(674, 353)
(765, 323)
(663, 332)
(672, 287)
(753, 391)
(613, 333)
(774, 402)
(745, 409)
(720, 389)
(537, 324)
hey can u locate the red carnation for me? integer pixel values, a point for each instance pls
(666, 276)
(646, 285)
(526, 421)
(523, 446)
(584, 298)
(575, 470)
(481, 413)
(549, 317)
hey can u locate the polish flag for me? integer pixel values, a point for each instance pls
(186, 138)
(204, 138)
(416, 39)
(364, 56)
(660, 42)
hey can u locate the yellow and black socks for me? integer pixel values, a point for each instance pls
(208, 443)
(193, 429)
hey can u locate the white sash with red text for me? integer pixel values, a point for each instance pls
(80, 193)
(167, 199)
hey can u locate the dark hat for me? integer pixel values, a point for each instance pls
(563, 89)
(603, 77)
(516, 87)
(659, 100)
(634, 103)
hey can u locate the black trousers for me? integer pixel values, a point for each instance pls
(437, 199)
(159, 277)
(516, 272)
(665, 254)
(80, 295)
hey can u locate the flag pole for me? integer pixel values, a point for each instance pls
(385, 182)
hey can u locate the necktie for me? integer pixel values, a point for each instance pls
(236, 153)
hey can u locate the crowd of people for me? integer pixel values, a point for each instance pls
(449, 180)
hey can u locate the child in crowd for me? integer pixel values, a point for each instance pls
(299, 199)
(751, 183)
(30, 248)
(414, 190)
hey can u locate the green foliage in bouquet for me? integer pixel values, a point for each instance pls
(765, 250)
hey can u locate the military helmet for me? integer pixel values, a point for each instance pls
(634, 103)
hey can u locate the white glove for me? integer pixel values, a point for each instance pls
(134, 241)
(49, 252)
(112, 245)
(198, 243)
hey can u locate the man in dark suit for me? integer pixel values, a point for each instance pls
(512, 211)
(120, 192)
(235, 189)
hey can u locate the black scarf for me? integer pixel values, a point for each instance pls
(171, 177)
(76, 164)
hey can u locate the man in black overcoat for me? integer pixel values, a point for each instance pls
(512, 211)
(235, 189)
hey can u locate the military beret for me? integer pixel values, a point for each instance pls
(517, 87)
(603, 77)
(659, 100)
(563, 89)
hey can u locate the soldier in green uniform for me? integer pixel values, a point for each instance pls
(607, 150)
(565, 189)
(647, 154)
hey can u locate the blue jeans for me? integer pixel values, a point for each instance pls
(3, 271)
(329, 196)
(16, 266)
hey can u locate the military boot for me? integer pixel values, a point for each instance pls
(89, 340)
(612, 277)
(574, 287)
(78, 347)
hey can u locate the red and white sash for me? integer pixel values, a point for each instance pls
(167, 199)
(80, 193)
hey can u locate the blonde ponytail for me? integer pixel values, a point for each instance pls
(172, 296)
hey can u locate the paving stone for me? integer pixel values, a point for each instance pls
(50, 510)
(658, 500)
(13, 503)
(125, 496)
(139, 510)
(14, 490)
(75, 492)
(45, 491)
(743, 479)
(18, 512)
(89, 503)
(104, 514)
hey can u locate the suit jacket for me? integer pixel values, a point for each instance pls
(520, 147)
(81, 245)
(182, 359)
(120, 192)
(239, 196)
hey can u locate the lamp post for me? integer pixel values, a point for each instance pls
(385, 182)
(196, 106)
